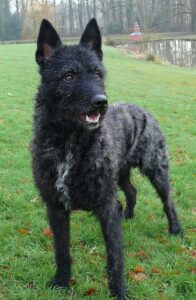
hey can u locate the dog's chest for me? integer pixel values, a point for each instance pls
(63, 179)
(81, 180)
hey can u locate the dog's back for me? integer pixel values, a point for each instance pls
(135, 136)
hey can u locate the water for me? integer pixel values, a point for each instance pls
(177, 52)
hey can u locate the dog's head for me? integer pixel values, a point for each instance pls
(72, 76)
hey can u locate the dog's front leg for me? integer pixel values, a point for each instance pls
(110, 223)
(60, 225)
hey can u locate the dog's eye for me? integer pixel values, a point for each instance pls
(68, 77)
(98, 75)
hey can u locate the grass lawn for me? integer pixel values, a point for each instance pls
(157, 266)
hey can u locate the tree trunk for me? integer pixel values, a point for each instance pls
(120, 15)
(94, 9)
(88, 9)
(71, 21)
(193, 15)
(80, 14)
(129, 14)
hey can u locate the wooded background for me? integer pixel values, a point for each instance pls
(20, 19)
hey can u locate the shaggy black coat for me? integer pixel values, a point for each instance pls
(82, 151)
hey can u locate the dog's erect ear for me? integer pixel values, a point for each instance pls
(47, 41)
(92, 38)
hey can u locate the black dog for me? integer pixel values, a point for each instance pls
(83, 151)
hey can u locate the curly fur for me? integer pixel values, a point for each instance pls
(80, 166)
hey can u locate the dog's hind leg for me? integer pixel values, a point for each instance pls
(59, 223)
(109, 218)
(130, 194)
(160, 180)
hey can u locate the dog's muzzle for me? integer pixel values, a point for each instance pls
(99, 106)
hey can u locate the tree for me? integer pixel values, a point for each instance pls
(71, 21)
(10, 25)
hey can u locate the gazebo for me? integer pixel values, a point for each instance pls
(137, 36)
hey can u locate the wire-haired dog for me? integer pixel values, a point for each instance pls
(83, 150)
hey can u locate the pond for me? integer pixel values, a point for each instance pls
(177, 52)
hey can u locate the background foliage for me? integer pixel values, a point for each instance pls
(21, 18)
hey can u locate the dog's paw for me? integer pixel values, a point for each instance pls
(58, 283)
(128, 214)
(120, 295)
(176, 230)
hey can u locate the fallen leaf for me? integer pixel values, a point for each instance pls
(193, 253)
(72, 281)
(140, 254)
(47, 232)
(138, 269)
(137, 276)
(23, 231)
(89, 292)
(155, 271)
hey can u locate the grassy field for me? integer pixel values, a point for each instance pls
(157, 266)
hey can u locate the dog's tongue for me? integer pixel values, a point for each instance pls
(93, 118)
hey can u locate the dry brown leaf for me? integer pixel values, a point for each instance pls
(140, 254)
(23, 230)
(72, 281)
(89, 292)
(138, 269)
(155, 271)
(137, 276)
(47, 232)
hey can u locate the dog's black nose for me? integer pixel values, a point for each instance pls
(99, 101)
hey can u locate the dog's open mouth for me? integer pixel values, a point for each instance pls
(90, 119)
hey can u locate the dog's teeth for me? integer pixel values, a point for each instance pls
(87, 118)
(92, 118)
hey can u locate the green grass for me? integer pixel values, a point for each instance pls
(27, 260)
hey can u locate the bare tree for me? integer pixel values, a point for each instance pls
(114, 16)
(71, 21)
